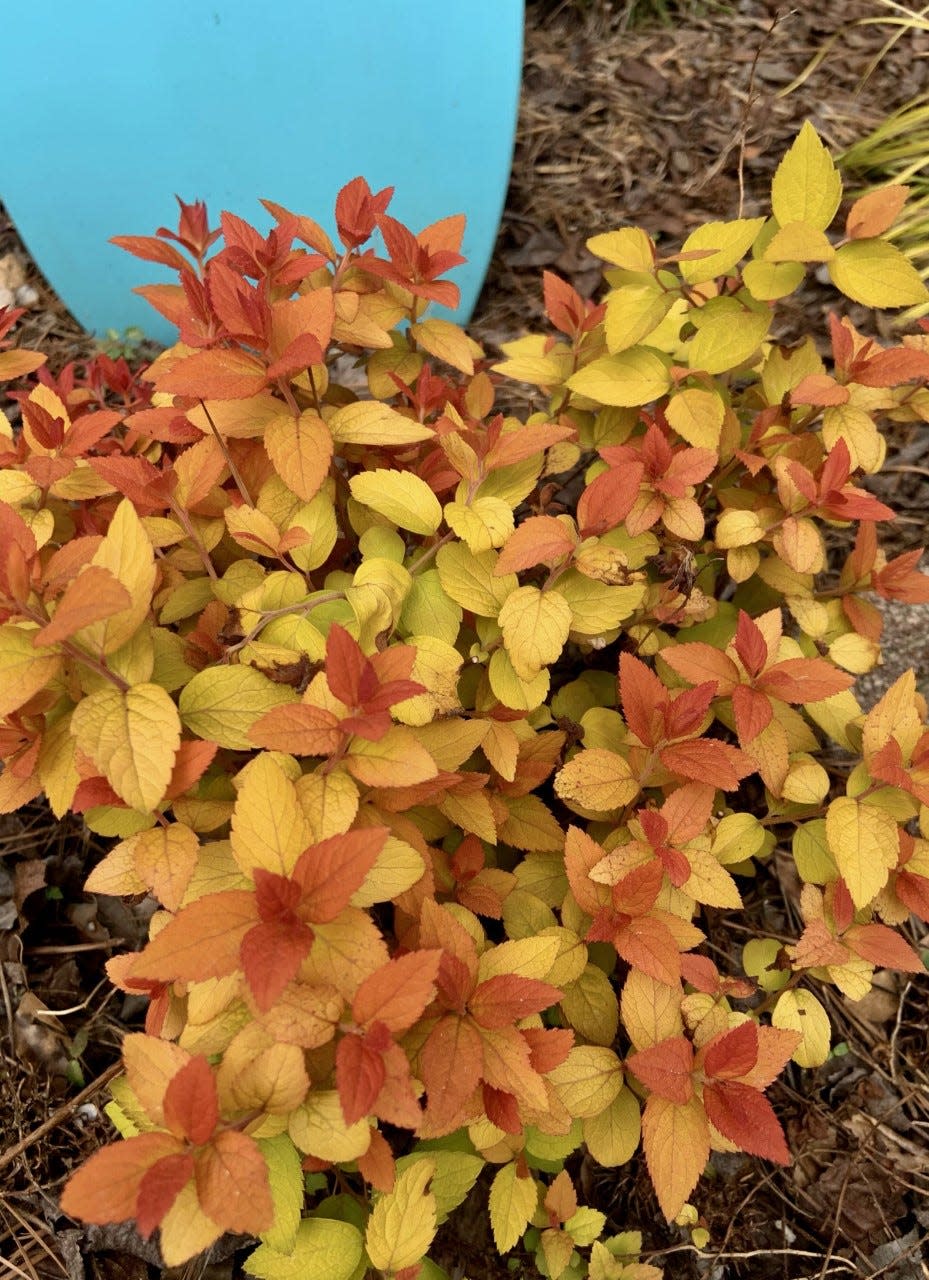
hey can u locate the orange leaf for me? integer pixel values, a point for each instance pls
(159, 1189)
(705, 760)
(297, 728)
(202, 941)
(697, 662)
(106, 1188)
(505, 998)
(301, 451)
(538, 540)
(331, 871)
(220, 374)
(676, 1141)
(666, 1069)
(94, 594)
(873, 214)
(232, 1183)
(451, 1063)
(398, 993)
(359, 1073)
(745, 1117)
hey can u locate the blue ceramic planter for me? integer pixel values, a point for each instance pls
(119, 104)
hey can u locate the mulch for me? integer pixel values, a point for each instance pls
(665, 127)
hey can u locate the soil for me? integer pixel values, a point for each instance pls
(665, 126)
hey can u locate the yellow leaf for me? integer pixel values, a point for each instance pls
(396, 760)
(651, 1011)
(799, 242)
(318, 1128)
(863, 840)
(512, 1203)
(730, 242)
(221, 704)
(727, 335)
(697, 417)
(612, 1136)
(370, 422)
(633, 311)
(128, 554)
(402, 497)
(300, 450)
(25, 668)
(708, 882)
(677, 1146)
(402, 1224)
(588, 1080)
(185, 1229)
(469, 579)
(57, 768)
(482, 523)
(455, 1174)
(511, 689)
(527, 957)
(447, 342)
(855, 653)
(317, 518)
(800, 1011)
(329, 802)
(535, 626)
(629, 247)
(530, 360)
(876, 274)
(165, 858)
(269, 827)
(596, 607)
(768, 281)
(117, 874)
(132, 738)
(428, 611)
(807, 782)
(807, 186)
(636, 376)
(736, 528)
(597, 780)
(321, 1248)
(236, 419)
(398, 867)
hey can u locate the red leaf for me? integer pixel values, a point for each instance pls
(745, 1117)
(750, 644)
(506, 998)
(609, 498)
(752, 710)
(190, 1106)
(159, 1188)
(732, 1053)
(359, 1074)
(271, 955)
(502, 1109)
(377, 1165)
(665, 1068)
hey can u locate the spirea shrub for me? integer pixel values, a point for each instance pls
(433, 731)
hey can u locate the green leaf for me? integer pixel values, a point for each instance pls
(807, 186)
(324, 1250)
(876, 274)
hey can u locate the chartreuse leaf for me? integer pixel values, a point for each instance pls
(403, 1222)
(455, 1174)
(132, 737)
(729, 242)
(635, 376)
(324, 1249)
(727, 335)
(633, 311)
(286, 1180)
(799, 1010)
(512, 1203)
(222, 703)
(401, 497)
(612, 1136)
(807, 186)
(876, 274)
